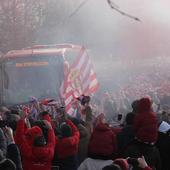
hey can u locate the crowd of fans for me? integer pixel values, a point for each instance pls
(104, 137)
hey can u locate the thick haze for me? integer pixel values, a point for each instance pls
(116, 39)
(100, 28)
(125, 52)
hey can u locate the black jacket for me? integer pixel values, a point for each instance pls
(14, 154)
(125, 137)
(3, 144)
(151, 154)
(163, 144)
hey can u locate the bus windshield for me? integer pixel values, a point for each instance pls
(38, 76)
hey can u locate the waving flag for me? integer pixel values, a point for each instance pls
(80, 79)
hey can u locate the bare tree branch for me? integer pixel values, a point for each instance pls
(78, 8)
(116, 8)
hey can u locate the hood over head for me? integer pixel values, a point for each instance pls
(144, 104)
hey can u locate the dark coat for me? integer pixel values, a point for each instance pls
(3, 144)
(125, 137)
(163, 144)
(69, 163)
(151, 154)
(13, 153)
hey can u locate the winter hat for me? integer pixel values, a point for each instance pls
(122, 163)
(7, 164)
(144, 104)
(66, 130)
(164, 127)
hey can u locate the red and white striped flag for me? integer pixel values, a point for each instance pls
(81, 79)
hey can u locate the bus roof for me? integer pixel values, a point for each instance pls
(37, 50)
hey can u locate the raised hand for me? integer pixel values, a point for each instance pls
(142, 162)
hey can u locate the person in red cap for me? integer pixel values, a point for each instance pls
(145, 122)
(102, 144)
(146, 132)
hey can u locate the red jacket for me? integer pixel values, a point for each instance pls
(103, 141)
(145, 122)
(35, 158)
(68, 146)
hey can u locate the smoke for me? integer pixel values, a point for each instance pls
(115, 40)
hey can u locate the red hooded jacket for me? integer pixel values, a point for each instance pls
(68, 146)
(35, 158)
(103, 141)
(145, 122)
